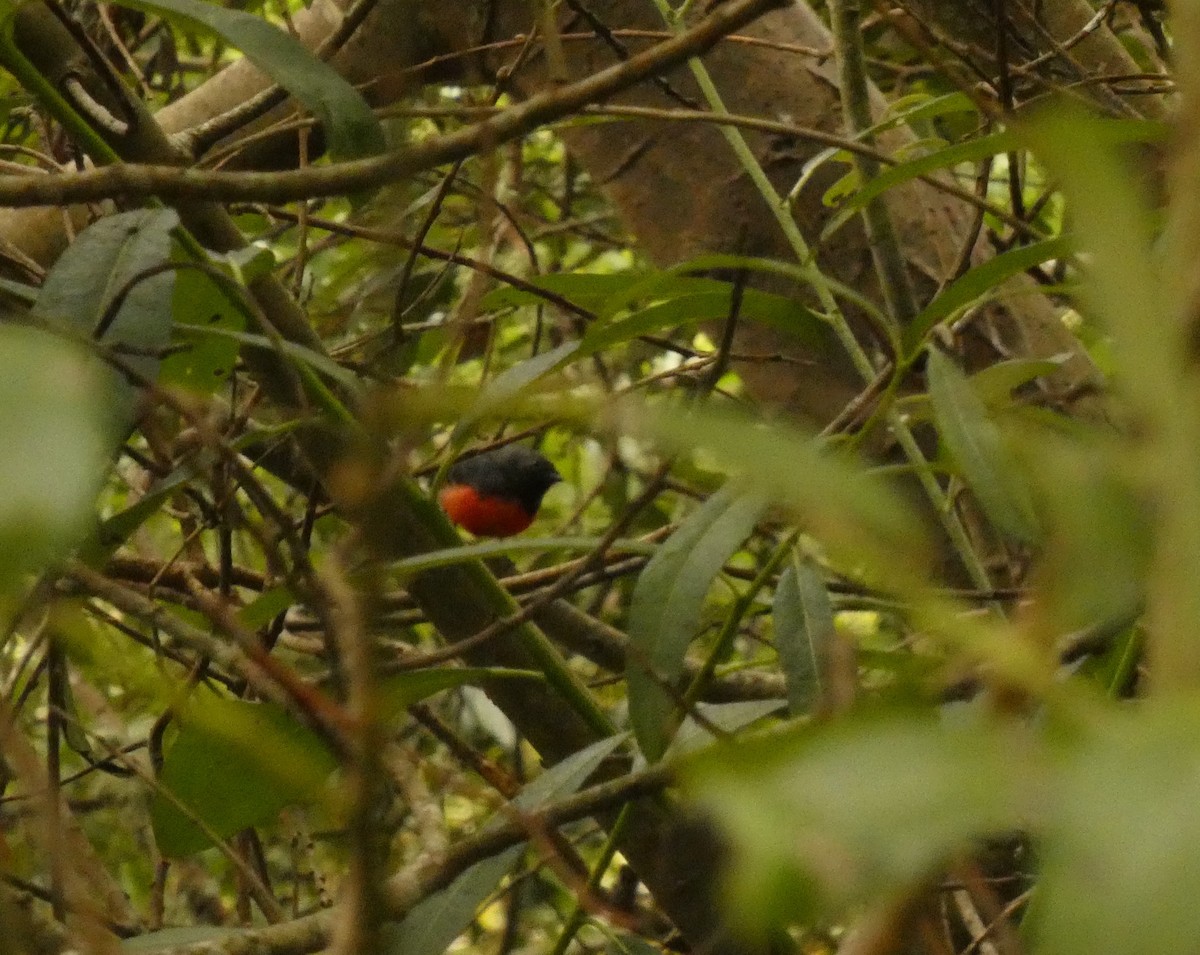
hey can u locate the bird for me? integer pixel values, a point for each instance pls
(497, 493)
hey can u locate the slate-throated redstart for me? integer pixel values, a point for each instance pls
(498, 493)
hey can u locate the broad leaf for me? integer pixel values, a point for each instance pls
(234, 764)
(103, 288)
(205, 362)
(56, 428)
(855, 809)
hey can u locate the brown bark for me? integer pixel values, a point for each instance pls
(682, 193)
(1050, 46)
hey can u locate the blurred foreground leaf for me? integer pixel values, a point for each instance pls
(1120, 871)
(55, 428)
(234, 764)
(832, 495)
(854, 809)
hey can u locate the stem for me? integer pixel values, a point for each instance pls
(856, 108)
(823, 289)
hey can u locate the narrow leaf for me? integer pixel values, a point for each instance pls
(855, 513)
(1115, 229)
(507, 385)
(804, 633)
(175, 938)
(435, 922)
(397, 693)
(696, 732)
(1120, 874)
(352, 128)
(980, 281)
(664, 615)
(977, 447)
(438, 920)
(776, 311)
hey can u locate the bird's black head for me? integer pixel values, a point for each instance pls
(515, 472)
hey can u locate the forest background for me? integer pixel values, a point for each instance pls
(865, 339)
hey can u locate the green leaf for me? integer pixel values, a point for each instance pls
(852, 511)
(977, 447)
(106, 260)
(397, 693)
(438, 920)
(994, 384)
(804, 633)
(588, 290)
(205, 362)
(974, 150)
(696, 732)
(776, 311)
(843, 812)
(507, 385)
(174, 938)
(664, 615)
(1098, 544)
(352, 128)
(266, 607)
(316, 361)
(480, 550)
(565, 777)
(55, 428)
(435, 922)
(978, 282)
(234, 764)
(1115, 229)
(114, 531)
(1119, 869)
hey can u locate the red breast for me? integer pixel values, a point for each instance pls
(497, 493)
(483, 515)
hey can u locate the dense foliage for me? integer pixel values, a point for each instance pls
(921, 672)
